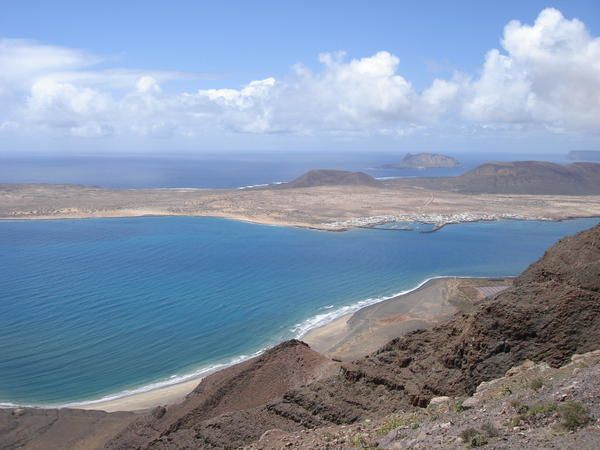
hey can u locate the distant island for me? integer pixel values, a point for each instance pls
(584, 155)
(424, 161)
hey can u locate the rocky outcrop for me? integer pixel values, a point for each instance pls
(531, 406)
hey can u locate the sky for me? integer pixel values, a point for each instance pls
(191, 77)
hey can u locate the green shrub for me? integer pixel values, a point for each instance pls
(390, 425)
(473, 437)
(405, 421)
(573, 415)
(536, 384)
(542, 409)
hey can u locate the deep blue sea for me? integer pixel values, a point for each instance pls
(223, 170)
(92, 308)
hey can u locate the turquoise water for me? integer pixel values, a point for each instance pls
(92, 308)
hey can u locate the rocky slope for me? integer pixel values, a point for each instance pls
(552, 313)
(252, 383)
(531, 406)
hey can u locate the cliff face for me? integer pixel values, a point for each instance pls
(552, 312)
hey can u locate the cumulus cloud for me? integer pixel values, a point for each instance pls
(545, 75)
(549, 74)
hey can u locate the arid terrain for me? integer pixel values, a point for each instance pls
(327, 200)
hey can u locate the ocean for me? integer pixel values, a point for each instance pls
(98, 308)
(223, 170)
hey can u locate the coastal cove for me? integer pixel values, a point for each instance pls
(101, 307)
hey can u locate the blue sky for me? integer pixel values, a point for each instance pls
(156, 76)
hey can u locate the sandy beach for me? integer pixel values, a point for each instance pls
(355, 335)
(145, 401)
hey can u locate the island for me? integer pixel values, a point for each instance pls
(337, 201)
(424, 161)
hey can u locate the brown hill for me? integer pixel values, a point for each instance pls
(520, 177)
(326, 177)
(289, 365)
(552, 312)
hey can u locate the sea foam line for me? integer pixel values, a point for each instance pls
(171, 381)
(302, 328)
(298, 330)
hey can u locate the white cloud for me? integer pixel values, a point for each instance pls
(549, 75)
(546, 75)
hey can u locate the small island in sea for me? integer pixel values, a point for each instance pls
(424, 161)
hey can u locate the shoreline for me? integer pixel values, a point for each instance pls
(359, 333)
(334, 227)
(167, 392)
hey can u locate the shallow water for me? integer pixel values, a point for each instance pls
(90, 308)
